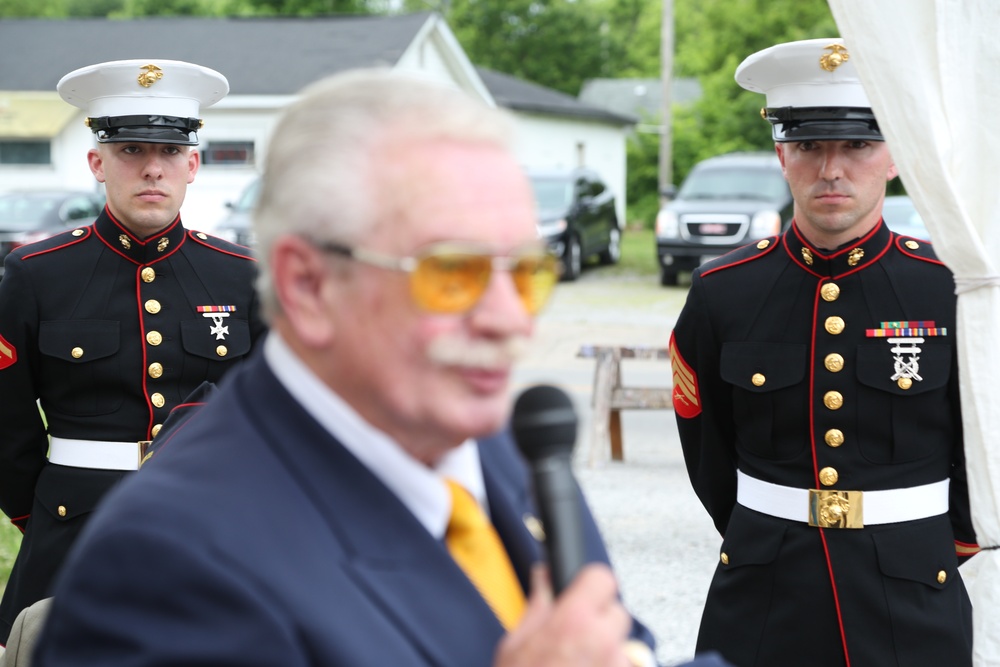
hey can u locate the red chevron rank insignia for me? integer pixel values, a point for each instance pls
(687, 402)
(8, 355)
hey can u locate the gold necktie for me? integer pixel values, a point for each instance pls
(476, 547)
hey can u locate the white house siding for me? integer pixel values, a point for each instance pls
(546, 141)
(235, 118)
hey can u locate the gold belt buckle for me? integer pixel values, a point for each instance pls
(829, 508)
(143, 445)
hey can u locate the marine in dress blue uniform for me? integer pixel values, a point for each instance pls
(817, 398)
(108, 329)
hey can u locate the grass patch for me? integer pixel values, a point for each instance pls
(638, 255)
(10, 542)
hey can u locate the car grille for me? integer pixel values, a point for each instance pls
(713, 228)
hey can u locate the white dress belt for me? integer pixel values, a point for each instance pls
(96, 453)
(875, 507)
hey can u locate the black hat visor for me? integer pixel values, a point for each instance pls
(146, 129)
(823, 124)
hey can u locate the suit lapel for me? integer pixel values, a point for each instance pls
(408, 574)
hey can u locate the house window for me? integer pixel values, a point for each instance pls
(228, 153)
(25, 152)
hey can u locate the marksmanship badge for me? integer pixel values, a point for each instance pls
(905, 338)
(217, 314)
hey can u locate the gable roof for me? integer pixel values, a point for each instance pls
(520, 95)
(259, 56)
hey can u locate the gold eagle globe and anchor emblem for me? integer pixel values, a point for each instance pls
(835, 509)
(838, 56)
(150, 75)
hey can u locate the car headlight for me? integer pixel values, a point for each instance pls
(547, 230)
(764, 224)
(666, 224)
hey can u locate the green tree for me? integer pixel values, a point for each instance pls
(31, 9)
(712, 37)
(556, 43)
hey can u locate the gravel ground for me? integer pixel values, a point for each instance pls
(661, 540)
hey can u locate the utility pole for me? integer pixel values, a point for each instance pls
(666, 78)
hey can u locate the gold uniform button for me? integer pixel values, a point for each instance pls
(202, 235)
(761, 245)
(834, 437)
(913, 245)
(758, 380)
(152, 306)
(148, 275)
(904, 383)
(158, 400)
(833, 400)
(61, 510)
(830, 292)
(534, 526)
(834, 325)
(154, 338)
(828, 476)
(222, 350)
(78, 232)
(942, 577)
(155, 370)
(834, 363)
(724, 558)
(76, 352)
(155, 430)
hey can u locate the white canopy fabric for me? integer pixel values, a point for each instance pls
(930, 68)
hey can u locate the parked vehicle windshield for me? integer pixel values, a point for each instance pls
(742, 183)
(552, 193)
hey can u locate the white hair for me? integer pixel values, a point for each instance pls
(321, 173)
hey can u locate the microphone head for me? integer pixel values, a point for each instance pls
(544, 422)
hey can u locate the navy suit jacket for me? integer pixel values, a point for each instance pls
(254, 538)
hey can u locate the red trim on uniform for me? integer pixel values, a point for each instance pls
(687, 402)
(132, 236)
(142, 334)
(73, 241)
(8, 354)
(194, 237)
(20, 521)
(797, 259)
(771, 246)
(898, 239)
(836, 598)
(815, 458)
(187, 405)
(965, 549)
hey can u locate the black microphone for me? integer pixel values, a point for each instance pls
(544, 425)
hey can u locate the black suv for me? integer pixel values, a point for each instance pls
(576, 217)
(725, 202)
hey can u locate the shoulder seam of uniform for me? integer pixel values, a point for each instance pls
(900, 241)
(73, 241)
(194, 236)
(771, 245)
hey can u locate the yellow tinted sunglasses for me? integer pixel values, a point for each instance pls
(452, 277)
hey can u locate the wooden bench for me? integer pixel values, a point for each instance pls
(610, 397)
